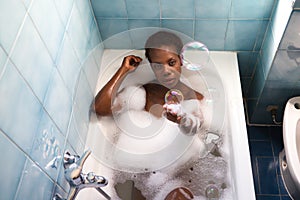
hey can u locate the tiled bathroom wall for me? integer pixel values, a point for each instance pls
(276, 78)
(49, 61)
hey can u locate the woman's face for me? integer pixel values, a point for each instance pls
(166, 66)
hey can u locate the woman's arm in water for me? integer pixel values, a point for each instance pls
(103, 103)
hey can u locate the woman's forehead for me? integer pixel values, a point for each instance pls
(160, 56)
(164, 52)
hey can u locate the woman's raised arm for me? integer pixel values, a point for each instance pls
(103, 103)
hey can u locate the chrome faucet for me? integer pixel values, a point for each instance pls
(77, 180)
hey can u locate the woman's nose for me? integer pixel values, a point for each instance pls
(166, 70)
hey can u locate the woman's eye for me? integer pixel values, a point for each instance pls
(172, 62)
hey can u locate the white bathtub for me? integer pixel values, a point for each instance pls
(235, 129)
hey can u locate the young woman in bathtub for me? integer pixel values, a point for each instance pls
(163, 52)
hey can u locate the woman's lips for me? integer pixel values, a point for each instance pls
(169, 81)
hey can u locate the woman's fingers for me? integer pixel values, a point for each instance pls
(131, 62)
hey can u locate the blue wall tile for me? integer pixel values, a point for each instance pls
(251, 104)
(257, 83)
(27, 3)
(97, 53)
(58, 102)
(285, 65)
(10, 23)
(13, 159)
(110, 27)
(211, 33)
(143, 9)
(141, 23)
(77, 34)
(291, 35)
(179, 9)
(64, 9)
(255, 174)
(38, 62)
(297, 4)
(53, 36)
(242, 34)
(48, 146)
(277, 142)
(43, 64)
(35, 184)
(212, 9)
(74, 139)
(86, 19)
(261, 33)
(21, 124)
(255, 9)
(139, 35)
(181, 25)
(115, 33)
(95, 37)
(59, 191)
(280, 19)
(108, 9)
(3, 59)
(276, 93)
(296, 89)
(83, 99)
(268, 52)
(245, 82)
(68, 65)
(267, 169)
(258, 133)
(119, 41)
(91, 69)
(261, 148)
(247, 61)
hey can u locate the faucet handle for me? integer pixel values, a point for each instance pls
(69, 159)
(73, 164)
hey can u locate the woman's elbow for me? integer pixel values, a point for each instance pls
(101, 109)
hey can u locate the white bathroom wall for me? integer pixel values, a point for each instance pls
(48, 72)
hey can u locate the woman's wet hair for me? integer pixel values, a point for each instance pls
(162, 38)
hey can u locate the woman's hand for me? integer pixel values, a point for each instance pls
(173, 112)
(131, 62)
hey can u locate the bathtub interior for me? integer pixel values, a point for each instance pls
(229, 124)
(137, 150)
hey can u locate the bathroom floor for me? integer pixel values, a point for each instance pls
(265, 145)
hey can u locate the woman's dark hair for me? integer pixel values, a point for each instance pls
(162, 38)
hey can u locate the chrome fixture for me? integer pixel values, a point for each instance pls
(77, 180)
